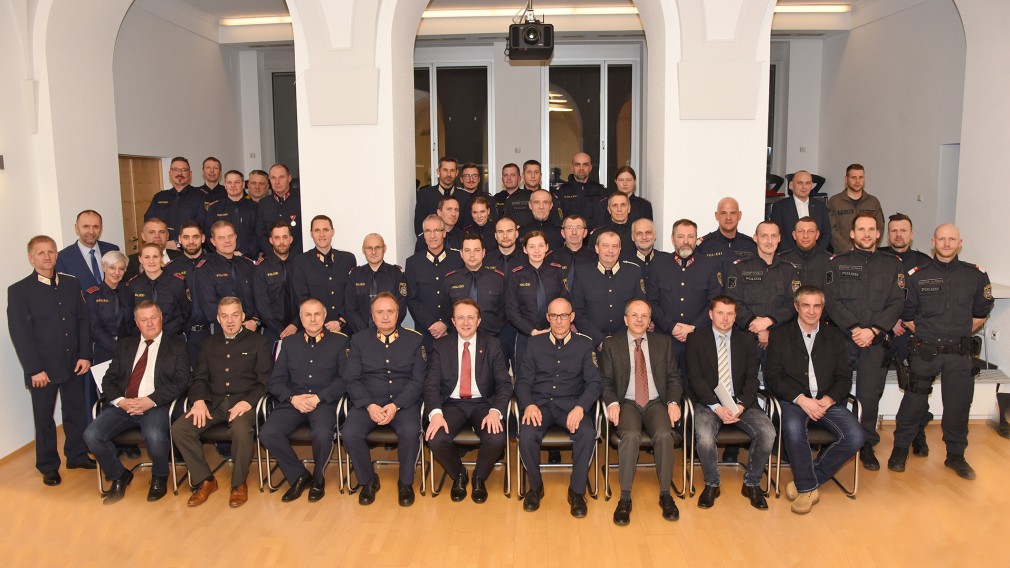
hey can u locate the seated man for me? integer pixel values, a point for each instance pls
(808, 370)
(306, 380)
(384, 379)
(558, 383)
(158, 374)
(468, 384)
(642, 393)
(231, 377)
(723, 371)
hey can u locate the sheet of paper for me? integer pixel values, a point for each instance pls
(726, 399)
(98, 372)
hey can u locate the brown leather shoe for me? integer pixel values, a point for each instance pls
(199, 497)
(239, 495)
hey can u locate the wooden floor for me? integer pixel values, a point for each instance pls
(924, 517)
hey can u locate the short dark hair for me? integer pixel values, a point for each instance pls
(900, 217)
(807, 289)
(470, 166)
(864, 215)
(442, 202)
(90, 212)
(721, 299)
(531, 163)
(606, 232)
(444, 159)
(212, 159)
(465, 302)
(321, 218)
(259, 173)
(40, 239)
(280, 165)
(220, 224)
(279, 225)
(680, 222)
(472, 237)
(179, 159)
(236, 172)
(614, 194)
(190, 225)
(854, 167)
(510, 165)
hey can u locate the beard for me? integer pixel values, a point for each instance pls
(685, 251)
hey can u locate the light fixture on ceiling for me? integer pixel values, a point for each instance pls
(813, 9)
(255, 21)
(559, 108)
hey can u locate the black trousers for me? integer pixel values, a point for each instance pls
(71, 394)
(241, 430)
(284, 420)
(531, 438)
(870, 379)
(407, 425)
(957, 392)
(461, 414)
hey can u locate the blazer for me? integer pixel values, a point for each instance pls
(784, 215)
(171, 369)
(50, 329)
(615, 367)
(786, 368)
(70, 261)
(703, 367)
(490, 372)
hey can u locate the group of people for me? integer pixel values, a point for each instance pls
(556, 298)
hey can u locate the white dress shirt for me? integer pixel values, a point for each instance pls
(86, 253)
(630, 394)
(808, 340)
(802, 207)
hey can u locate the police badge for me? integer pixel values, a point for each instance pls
(987, 291)
(829, 277)
(718, 277)
(424, 355)
(731, 282)
(901, 280)
(403, 289)
(796, 285)
(641, 283)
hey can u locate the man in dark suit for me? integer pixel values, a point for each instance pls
(642, 389)
(723, 373)
(142, 381)
(83, 259)
(48, 323)
(808, 370)
(468, 385)
(429, 196)
(786, 212)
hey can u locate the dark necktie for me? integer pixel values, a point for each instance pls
(94, 267)
(465, 373)
(641, 376)
(133, 387)
(373, 289)
(473, 286)
(541, 296)
(610, 273)
(571, 271)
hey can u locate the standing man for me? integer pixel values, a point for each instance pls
(579, 195)
(786, 212)
(517, 203)
(762, 286)
(574, 251)
(558, 383)
(507, 255)
(191, 240)
(448, 212)
(223, 274)
(467, 385)
(179, 203)
(602, 290)
(238, 209)
(726, 243)
(545, 217)
(617, 220)
(83, 259)
(211, 189)
(426, 272)
(306, 381)
(366, 281)
(48, 324)
(510, 184)
(846, 204)
(259, 185)
(321, 273)
(808, 258)
(948, 301)
(430, 196)
(865, 294)
(643, 234)
(470, 177)
(230, 379)
(484, 286)
(284, 205)
(272, 286)
(642, 390)
(154, 231)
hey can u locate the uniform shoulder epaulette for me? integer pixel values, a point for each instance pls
(412, 330)
(339, 333)
(211, 203)
(451, 272)
(739, 260)
(699, 241)
(179, 276)
(351, 271)
(890, 253)
(93, 289)
(201, 263)
(518, 268)
(259, 261)
(450, 248)
(498, 272)
(629, 262)
(583, 335)
(556, 265)
(782, 252)
(400, 268)
(247, 259)
(834, 255)
(67, 275)
(913, 270)
(135, 276)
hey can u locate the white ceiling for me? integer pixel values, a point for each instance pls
(218, 9)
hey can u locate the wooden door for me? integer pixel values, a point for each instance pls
(139, 179)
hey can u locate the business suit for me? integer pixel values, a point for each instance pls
(703, 374)
(617, 372)
(69, 261)
(787, 376)
(171, 379)
(442, 394)
(784, 215)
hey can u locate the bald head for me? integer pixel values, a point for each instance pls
(582, 165)
(946, 242)
(727, 213)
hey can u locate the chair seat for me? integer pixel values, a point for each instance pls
(131, 437)
(557, 437)
(303, 435)
(466, 437)
(820, 436)
(382, 435)
(732, 435)
(678, 439)
(216, 433)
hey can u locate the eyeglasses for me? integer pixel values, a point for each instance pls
(179, 170)
(559, 317)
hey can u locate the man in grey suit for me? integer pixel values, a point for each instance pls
(642, 390)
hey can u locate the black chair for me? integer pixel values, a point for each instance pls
(383, 436)
(558, 438)
(132, 437)
(613, 437)
(467, 440)
(773, 185)
(302, 436)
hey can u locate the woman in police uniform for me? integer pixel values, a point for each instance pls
(108, 307)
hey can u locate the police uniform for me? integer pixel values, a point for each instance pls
(428, 198)
(762, 290)
(910, 259)
(551, 227)
(230, 371)
(211, 195)
(323, 277)
(599, 297)
(134, 268)
(305, 365)
(641, 208)
(467, 197)
(382, 370)
(866, 289)
(623, 230)
(812, 264)
(580, 198)
(272, 290)
(199, 323)
(217, 277)
(556, 375)
(899, 343)
(485, 232)
(363, 284)
(241, 214)
(271, 209)
(108, 312)
(569, 259)
(426, 299)
(495, 260)
(49, 327)
(942, 298)
(453, 239)
(176, 207)
(169, 292)
(643, 261)
(528, 293)
(515, 206)
(717, 245)
(484, 286)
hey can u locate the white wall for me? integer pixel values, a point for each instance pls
(803, 130)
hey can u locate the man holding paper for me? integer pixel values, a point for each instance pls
(722, 369)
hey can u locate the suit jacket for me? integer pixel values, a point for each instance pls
(171, 369)
(490, 372)
(784, 215)
(615, 367)
(50, 329)
(786, 369)
(703, 367)
(70, 261)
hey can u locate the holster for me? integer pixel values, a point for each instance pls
(919, 384)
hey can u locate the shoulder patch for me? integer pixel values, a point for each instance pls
(179, 276)
(556, 265)
(979, 268)
(901, 280)
(739, 260)
(595, 362)
(201, 263)
(796, 285)
(499, 272)
(517, 269)
(718, 277)
(92, 290)
(987, 292)
(451, 272)
(699, 241)
(403, 289)
(913, 270)
(829, 277)
(731, 282)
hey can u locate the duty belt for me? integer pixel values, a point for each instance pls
(205, 327)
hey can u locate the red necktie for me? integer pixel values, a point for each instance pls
(133, 387)
(465, 373)
(641, 376)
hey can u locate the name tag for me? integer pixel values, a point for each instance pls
(525, 284)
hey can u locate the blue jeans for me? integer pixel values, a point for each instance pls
(112, 422)
(809, 474)
(753, 422)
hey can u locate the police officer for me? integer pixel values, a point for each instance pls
(385, 379)
(809, 259)
(430, 196)
(947, 301)
(482, 221)
(510, 184)
(224, 274)
(545, 218)
(321, 273)
(727, 243)
(272, 285)
(864, 293)
(211, 172)
(574, 251)
(579, 195)
(617, 220)
(426, 272)
(191, 240)
(284, 204)
(558, 383)
(643, 234)
(478, 283)
(179, 203)
(165, 289)
(108, 307)
(470, 179)
(602, 290)
(448, 211)
(154, 231)
(625, 180)
(516, 205)
(529, 288)
(507, 254)
(366, 281)
(240, 210)
(48, 324)
(259, 185)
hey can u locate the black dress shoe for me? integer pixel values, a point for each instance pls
(708, 496)
(960, 467)
(622, 514)
(367, 494)
(578, 503)
(731, 454)
(406, 497)
(316, 491)
(479, 493)
(159, 488)
(51, 478)
(458, 491)
(896, 462)
(532, 500)
(1003, 429)
(296, 489)
(669, 507)
(868, 458)
(118, 490)
(86, 463)
(756, 496)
